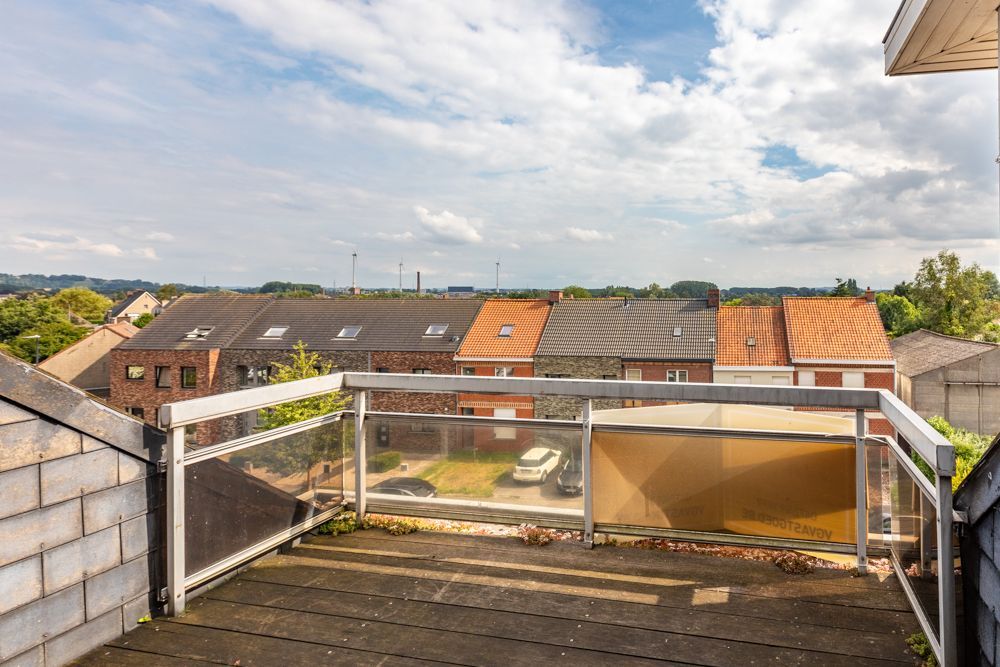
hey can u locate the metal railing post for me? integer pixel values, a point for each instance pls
(176, 596)
(360, 459)
(946, 574)
(861, 490)
(588, 475)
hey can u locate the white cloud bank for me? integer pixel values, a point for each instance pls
(447, 227)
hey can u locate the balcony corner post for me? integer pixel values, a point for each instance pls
(176, 594)
(946, 573)
(588, 476)
(360, 457)
(861, 490)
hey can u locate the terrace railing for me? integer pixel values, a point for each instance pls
(231, 502)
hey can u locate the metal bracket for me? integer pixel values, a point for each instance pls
(161, 465)
(162, 595)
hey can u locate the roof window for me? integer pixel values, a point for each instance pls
(275, 332)
(436, 330)
(198, 333)
(677, 332)
(751, 341)
(351, 331)
(506, 331)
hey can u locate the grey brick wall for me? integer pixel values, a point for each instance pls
(586, 368)
(80, 556)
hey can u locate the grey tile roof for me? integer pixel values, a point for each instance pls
(386, 325)
(632, 329)
(227, 314)
(922, 351)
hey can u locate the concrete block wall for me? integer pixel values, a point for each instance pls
(80, 556)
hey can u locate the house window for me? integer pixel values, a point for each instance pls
(503, 372)
(677, 376)
(853, 379)
(506, 331)
(253, 376)
(468, 370)
(138, 413)
(742, 379)
(381, 369)
(436, 330)
(199, 333)
(135, 372)
(633, 374)
(163, 377)
(557, 375)
(505, 432)
(349, 332)
(421, 371)
(779, 379)
(677, 332)
(468, 412)
(807, 378)
(189, 377)
(609, 377)
(275, 332)
(422, 427)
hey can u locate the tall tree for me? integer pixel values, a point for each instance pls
(953, 299)
(19, 316)
(576, 292)
(847, 287)
(53, 336)
(899, 316)
(86, 303)
(692, 289)
(167, 292)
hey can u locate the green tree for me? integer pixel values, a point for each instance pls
(652, 291)
(54, 336)
(953, 299)
(143, 320)
(969, 448)
(299, 453)
(847, 287)
(86, 303)
(760, 299)
(19, 316)
(692, 289)
(168, 291)
(576, 292)
(899, 316)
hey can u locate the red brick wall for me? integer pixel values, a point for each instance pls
(880, 381)
(439, 363)
(828, 378)
(145, 394)
(522, 369)
(656, 371)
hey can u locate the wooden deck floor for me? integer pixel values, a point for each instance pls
(371, 598)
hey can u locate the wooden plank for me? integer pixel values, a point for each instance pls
(193, 643)
(954, 24)
(387, 637)
(794, 587)
(112, 656)
(981, 13)
(555, 628)
(606, 558)
(922, 32)
(719, 614)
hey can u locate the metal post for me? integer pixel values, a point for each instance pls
(946, 574)
(861, 491)
(588, 476)
(176, 598)
(360, 459)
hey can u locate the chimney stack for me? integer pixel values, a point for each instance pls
(869, 295)
(713, 297)
(418, 283)
(555, 296)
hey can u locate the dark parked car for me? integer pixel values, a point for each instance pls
(570, 480)
(405, 486)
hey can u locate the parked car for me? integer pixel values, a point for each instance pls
(570, 480)
(536, 464)
(405, 486)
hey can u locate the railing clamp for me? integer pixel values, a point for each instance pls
(161, 465)
(162, 595)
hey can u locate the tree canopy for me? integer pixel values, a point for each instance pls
(576, 292)
(691, 289)
(86, 303)
(953, 299)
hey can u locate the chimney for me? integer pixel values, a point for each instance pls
(869, 295)
(418, 283)
(555, 296)
(713, 297)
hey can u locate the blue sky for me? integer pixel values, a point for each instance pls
(581, 142)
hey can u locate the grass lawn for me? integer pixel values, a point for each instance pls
(469, 473)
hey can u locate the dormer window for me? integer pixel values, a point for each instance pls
(275, 332)
(349, 332)
(751, 341)
(677, 332)
(198, 333)
(436, 330)
(506, 331)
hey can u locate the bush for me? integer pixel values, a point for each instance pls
(969, 448)
(921, 647)
(534, 535)
(383, 462)
(393, 525)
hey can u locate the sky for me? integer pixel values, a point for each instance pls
(751, 142)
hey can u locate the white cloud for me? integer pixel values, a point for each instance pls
(402, 236)
(63, 243)
(587, 235)
(162, 237)
(446, 227)
(147, 253)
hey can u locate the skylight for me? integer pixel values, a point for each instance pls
(436, 330)
(198, 333)
(751, 341)
(506, 331)
(275, 332)
(349, 332)
(677, 332)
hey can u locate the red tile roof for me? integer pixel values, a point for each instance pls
(835, 328)
(764, 324)
(483, 339)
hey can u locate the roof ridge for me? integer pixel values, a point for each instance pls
(955, 338)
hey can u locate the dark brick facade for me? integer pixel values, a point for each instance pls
(589, 368)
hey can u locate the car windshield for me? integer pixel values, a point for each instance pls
(526, 462)
(574, 465)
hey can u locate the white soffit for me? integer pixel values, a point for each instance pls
(941, 36)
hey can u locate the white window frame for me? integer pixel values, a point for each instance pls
(677, 375)
(503, 372)
(633, 374)
(807, 378)
(275, 332)
(780, 380)
(857, 380)
(343, 332)
(508, 328)
(436, 330)
(742, 379)
(505, 432)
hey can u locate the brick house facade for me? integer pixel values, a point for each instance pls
(589, 368)
(665, 371)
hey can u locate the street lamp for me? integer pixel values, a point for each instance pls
(36, 338)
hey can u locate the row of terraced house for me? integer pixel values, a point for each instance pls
(212, 344)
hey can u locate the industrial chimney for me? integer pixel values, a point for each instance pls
(418, 283)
